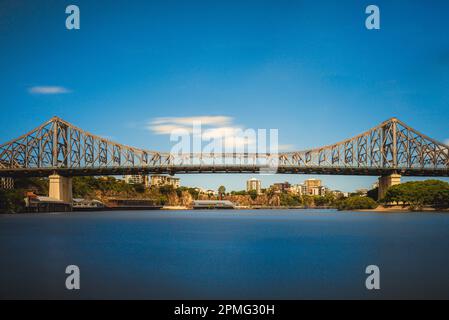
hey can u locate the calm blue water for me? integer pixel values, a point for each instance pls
(289, 254)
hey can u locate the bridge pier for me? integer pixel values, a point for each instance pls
(60, 188)
(387, 181)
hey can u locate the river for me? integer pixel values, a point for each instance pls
(235, 254)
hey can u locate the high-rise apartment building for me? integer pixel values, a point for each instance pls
(253, 184)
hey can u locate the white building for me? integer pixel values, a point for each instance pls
(298, 189)
(311, 187)
(253, 184)
(159, 181)
(136, 179)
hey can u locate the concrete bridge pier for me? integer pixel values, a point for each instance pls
(387, 181)
(60, 188)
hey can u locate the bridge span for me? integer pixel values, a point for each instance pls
(60, 150)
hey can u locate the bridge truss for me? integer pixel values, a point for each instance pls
(60, 147)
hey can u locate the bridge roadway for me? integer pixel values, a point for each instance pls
(223, 169)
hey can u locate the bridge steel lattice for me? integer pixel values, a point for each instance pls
(58, 147)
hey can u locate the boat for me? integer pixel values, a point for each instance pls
(213, 204)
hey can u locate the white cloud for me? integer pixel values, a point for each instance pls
(218, 128)
(169, 129)
(446, 142)
(169, 125)
(220, 132)
(286, 147)
(189, 121)
(48, 90)
(231, 136)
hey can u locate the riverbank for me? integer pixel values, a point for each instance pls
(401, 209)
(254, 207)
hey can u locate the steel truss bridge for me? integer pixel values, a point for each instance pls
(58, 147)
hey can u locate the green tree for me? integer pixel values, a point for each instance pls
(221, 191)
(357, 202)
(253, 194)
(166, 190)
(12, 201)
(308, 201)
(373, 194)
(139, 187)
(416, 194)
(239, 193)
(290, 200)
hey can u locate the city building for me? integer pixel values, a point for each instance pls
(313, 187)
(159, 181)
(362, 192)
(253, 184)
(281, 186)
(298, 189)
(340, 194)
(35, 203)
(312, 183)
(136, 179)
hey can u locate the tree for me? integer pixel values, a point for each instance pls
(308, 200)
(373, 194)
(12, 201)
(357, 202)
(166, 190)
(253, 194)
(290, 200)
(139, 187)
(417, 194)
(221, 191)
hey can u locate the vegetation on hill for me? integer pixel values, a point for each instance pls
(286, 199)
(356, 203)
(85, 187)
(12, 201)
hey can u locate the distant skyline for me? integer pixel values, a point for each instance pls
(135, 70)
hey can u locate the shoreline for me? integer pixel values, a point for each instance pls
(400, 209)
(379, 209)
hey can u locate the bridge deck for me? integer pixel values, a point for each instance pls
(178, 169)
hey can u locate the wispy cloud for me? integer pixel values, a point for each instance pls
(169, 128)
(212, 127)
(48, 90)
(188, 121)
(215, 130)
(286, 147)
(168, 125)
(446, 142)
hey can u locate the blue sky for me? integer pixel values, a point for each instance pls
(308, 68)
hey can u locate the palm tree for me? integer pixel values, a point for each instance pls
(221, 191)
